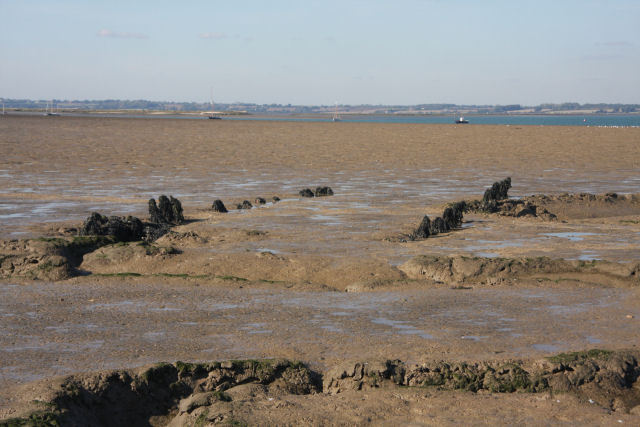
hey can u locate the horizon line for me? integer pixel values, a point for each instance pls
(314, 105)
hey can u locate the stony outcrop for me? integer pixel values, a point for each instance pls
(218, 206)
(275, 199)
(306, 193)
(167, 211)
(244, 205)
(260, 201)
(323, 191)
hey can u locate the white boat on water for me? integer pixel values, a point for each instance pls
(461, 120)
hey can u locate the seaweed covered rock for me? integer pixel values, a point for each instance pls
(275, 199)
(453, 214)
(323, 191)
(498, 191)
(424, 229)
(450, 220)
(167, 211)
(124, 229)
(438, 225)
(218, 206)
(244, 205)
(260, 201)
(306, 193)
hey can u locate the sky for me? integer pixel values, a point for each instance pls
(308, 52)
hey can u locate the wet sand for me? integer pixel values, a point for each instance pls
(291, 258)
(65, 167)
(56, 329)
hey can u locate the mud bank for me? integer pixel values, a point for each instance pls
(492, 271)
(64, 258)
(203, 249)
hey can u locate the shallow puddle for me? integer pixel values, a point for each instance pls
(573, 236)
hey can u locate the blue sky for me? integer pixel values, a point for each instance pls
(320, 52)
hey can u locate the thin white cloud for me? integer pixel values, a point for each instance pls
(121, 35)
(212, 36)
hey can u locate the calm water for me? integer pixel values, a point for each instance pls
(532, 120)
(568, 120)
(608, 120)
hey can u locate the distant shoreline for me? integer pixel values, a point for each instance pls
(134, 112)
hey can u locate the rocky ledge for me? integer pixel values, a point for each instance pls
(207, 393)
(493, 271)
(608, 378)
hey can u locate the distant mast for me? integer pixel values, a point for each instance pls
(50, 112)
(213, 116)
(336, 117)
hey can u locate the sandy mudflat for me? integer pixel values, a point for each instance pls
(270, 281)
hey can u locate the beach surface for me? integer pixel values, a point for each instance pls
(323, 280)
